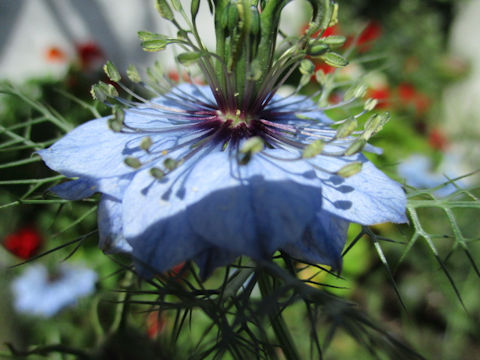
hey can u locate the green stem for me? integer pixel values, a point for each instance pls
(121, 310)
(279, 327)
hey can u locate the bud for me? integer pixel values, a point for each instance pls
(164, 9)
(317, 50)
(334, 40)
(147, 35)
(188, 58)
(194, 8)
(154, 45)
(334, 59)
(306, 67)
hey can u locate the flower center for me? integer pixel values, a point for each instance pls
(235, 118)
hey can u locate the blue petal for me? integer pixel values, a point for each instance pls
(165, 244)
(322, 241)
(367, 198)
(211, 258)
(75, 189)
(90, 150)
(252, 209)
(156, 226)
(110, 226)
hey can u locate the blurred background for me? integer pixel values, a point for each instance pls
(419, 59)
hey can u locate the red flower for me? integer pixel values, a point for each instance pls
(382, 95)
(368, 35)
(24, 243)
(331, 30)
(90, 56)
(437, 139)
(156, 323)
(178, 272)
(327, 69)
(410, 96)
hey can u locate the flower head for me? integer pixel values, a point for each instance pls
(418, 171)
(36, 292)
(24, 243)
(213, 172)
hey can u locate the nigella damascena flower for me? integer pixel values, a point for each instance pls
(37, 292)
(195, 196)
(209, 173)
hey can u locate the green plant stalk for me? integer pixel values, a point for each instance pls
(278, 323)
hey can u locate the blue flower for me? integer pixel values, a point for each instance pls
(37, 293)
(186, 179)
(418, 172)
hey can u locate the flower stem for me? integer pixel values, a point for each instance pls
(267, 288)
